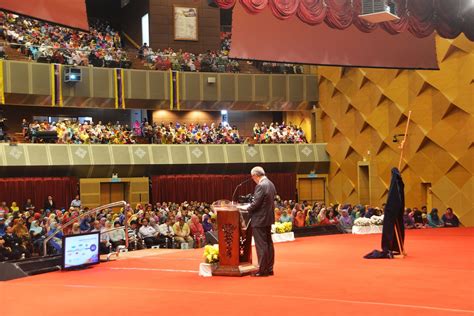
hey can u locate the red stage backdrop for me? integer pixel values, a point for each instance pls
(213, 187)
(63, 190)
(264, 37)
(71, 12)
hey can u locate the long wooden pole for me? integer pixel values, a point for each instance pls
(402, 144)
(402, 147)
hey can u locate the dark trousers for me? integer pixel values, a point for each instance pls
(264, 247)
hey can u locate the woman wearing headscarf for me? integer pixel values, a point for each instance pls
(206, 225)
(299, 219)
(55, 242)
(277, 214)
(76, 229)
(345, 221)
(85, 224)
(197, 231)
(14, 208)
(19, 228)
(36, 233)
(322, 218)
(433, 219)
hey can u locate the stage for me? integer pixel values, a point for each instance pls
(322, 275)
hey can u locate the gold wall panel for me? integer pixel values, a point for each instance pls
(361, 110)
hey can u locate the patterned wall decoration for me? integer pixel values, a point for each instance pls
(362, 109)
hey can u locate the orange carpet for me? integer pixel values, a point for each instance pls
(324, 275)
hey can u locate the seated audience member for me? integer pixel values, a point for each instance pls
(29, 207)
(4, 208)
(182, 232)
(3, 227)
(76, 229)
(37, 236)
(197, 231)
(166, 230)
(56, 241)
(96, 226)
(332, 217)
(76, 203)
(20, 230)
(14, 242)
(450, 219)
(345, 221)
(322, 218)
(134, 242)
(299, 219)
(313, 216)
(418, 218)
(407, 219)
(14, 208)
(5, 252)
(148, 233)
(105, 244)
(85, 225)
(117, 236)
(206, 224)
(285, 218)
(434, 220)
(277, 212)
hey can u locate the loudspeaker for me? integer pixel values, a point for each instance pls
(212, 238)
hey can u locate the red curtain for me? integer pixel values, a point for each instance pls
(284, 9)
(63, 190)
(420, 17)
(254, 6)
(213, 187)
(312, 12)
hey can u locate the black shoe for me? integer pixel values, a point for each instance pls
(258, 274)
(270, 273)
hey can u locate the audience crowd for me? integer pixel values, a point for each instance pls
(74, 132)
(210, 61)
(23, 228)
(46, 42)
(344, 215)
(278, 133)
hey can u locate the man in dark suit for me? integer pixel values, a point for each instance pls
(262, 216)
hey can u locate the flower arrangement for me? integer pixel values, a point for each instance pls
(281, 228)
(362, 221)
(211, 253)
(376, 220)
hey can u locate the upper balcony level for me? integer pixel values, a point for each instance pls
(28, 83)
(142, 160)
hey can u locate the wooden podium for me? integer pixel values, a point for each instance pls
(235, 241)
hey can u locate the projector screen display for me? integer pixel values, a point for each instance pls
(80, 250)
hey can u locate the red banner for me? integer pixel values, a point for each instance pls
(264, 37)
(70, 13)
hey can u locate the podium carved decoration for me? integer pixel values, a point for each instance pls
(228, 238)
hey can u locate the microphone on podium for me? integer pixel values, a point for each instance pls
(238, 186)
